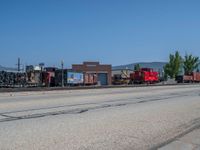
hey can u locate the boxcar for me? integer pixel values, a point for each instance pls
(194, 77)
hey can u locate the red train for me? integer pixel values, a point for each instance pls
(144, 75)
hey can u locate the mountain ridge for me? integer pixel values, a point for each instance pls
(155, 65)
(2, 68)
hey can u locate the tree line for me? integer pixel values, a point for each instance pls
(189, 63)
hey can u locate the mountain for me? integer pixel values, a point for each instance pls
(157, 66)
(7, 69)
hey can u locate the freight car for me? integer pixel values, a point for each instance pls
(121, 76)
(33, 78)
(118, 79)
(48, 76)
(194, 77)
(48, 79)
(144, 75)
(12, 79)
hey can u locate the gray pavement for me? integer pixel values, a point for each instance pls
(190, 141)
(126, 118)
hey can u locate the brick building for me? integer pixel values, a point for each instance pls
(103, 71)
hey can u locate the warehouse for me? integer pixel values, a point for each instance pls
(103, 72)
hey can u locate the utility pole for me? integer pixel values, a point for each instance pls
(18, 69)
(62, 66)
(41, 65)
(18, 64)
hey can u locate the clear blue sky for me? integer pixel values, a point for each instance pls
(109, 31)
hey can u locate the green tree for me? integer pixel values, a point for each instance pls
(190, 64)
(136, 67)
(172, 68)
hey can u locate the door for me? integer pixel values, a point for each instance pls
(102, 78)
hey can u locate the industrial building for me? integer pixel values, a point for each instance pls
(103, 72)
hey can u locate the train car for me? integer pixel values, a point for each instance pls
(58, 77)
(144, 75)
(48, 79)
(33, 78)
(118, 79)
(194, 77)
(121, 76)
(48, 76)
(184, 79)
(12, 79)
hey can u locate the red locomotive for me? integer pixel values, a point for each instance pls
(144, 75)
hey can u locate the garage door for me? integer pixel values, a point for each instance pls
(102, 78)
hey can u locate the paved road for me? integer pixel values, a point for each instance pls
(190, 141)
(118, 119)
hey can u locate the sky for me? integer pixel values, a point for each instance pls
(110, 31)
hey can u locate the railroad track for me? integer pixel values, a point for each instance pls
(26, 89)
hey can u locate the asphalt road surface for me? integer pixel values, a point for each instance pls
(99, 119)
